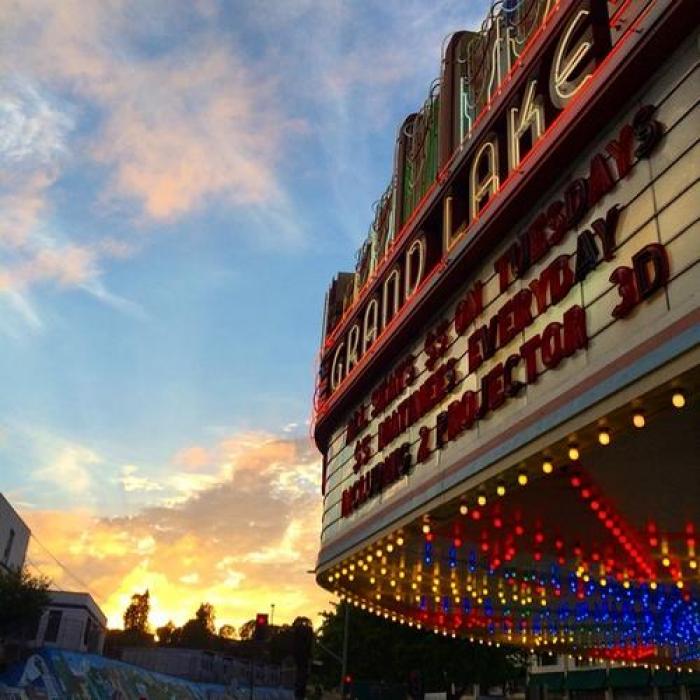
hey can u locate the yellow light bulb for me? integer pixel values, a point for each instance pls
(369, 557)
(390, 548)
(481, 500)
(522, 478)
(501, 490)
(379, 553)
(426, 529)
(638, 420)
(679, 584)
(666, 561)
(547, 466)
(399, 541)
(463, 509)
(604, 437)
(678, 399)
(693, 564)
(653, 585)
(574, 454)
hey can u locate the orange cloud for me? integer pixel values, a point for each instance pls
(241, 544)
(193, 458)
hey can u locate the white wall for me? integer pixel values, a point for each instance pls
(13, 548)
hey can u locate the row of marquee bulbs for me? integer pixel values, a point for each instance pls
(540, 643)
(678, 400)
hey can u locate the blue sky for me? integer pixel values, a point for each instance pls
(179, 181)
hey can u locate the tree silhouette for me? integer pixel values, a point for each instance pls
(23, 598)
(205, 616)
(166, 633)
(227, 632)
(136, 615)
(247, 630)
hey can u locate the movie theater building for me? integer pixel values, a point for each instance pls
(507, 393)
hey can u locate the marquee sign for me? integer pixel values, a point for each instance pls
(538, 353)
(568, 59)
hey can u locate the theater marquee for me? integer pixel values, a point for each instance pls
(527, 296)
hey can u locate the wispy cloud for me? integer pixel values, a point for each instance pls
(240, 544)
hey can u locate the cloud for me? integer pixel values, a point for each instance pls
(241, 544)
(176, 127)
(131, 481)
(193, 458)
(70, 470)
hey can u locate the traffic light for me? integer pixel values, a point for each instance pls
(347, 685)
(261, 627)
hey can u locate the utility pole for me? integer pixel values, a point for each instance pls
(344, 663)
(272, 614)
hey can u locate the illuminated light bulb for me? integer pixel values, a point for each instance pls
(369, 557)
(603, 582)
(390, 548)
(379, 553)
(426, 528)
(351, 577)
(547, 466)
(378, 596)
(392, 583)
(501, 490)
(574, 454)
(522, 478)
(382, 571)
(678, 399)
(352, 567)
(666, 561)
(638, 420)
(400, 541)
(372, 580)
(481, 500)
(419, 578)
(463, 509)
(604, 437)
(693, 564)
(414, 586)
(679, 584)
(401, 574)
(344, 571)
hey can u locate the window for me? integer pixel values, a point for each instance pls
(8, 546)
(53, 625)
(86, 634)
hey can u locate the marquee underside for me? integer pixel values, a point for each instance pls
(582, 548)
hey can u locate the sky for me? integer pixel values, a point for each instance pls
(179, 182)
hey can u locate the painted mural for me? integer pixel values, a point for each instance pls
(53, 674)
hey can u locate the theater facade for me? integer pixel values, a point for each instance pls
(507, 397)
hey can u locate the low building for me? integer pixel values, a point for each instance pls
(72, 621)
(205, 666)
(568, 677)
(14, 537)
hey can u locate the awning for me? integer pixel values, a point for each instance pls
(663, 679)
(552, 680)
(629, 677)
(586, 680)
(687, 678)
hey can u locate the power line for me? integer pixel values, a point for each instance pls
(68, 572)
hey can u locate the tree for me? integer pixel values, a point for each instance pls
(247, 630)
(437, 660)
(166, 633)
(23, 598)
(136, 615)
(302, 640)
(205, 616)
(227, 632)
